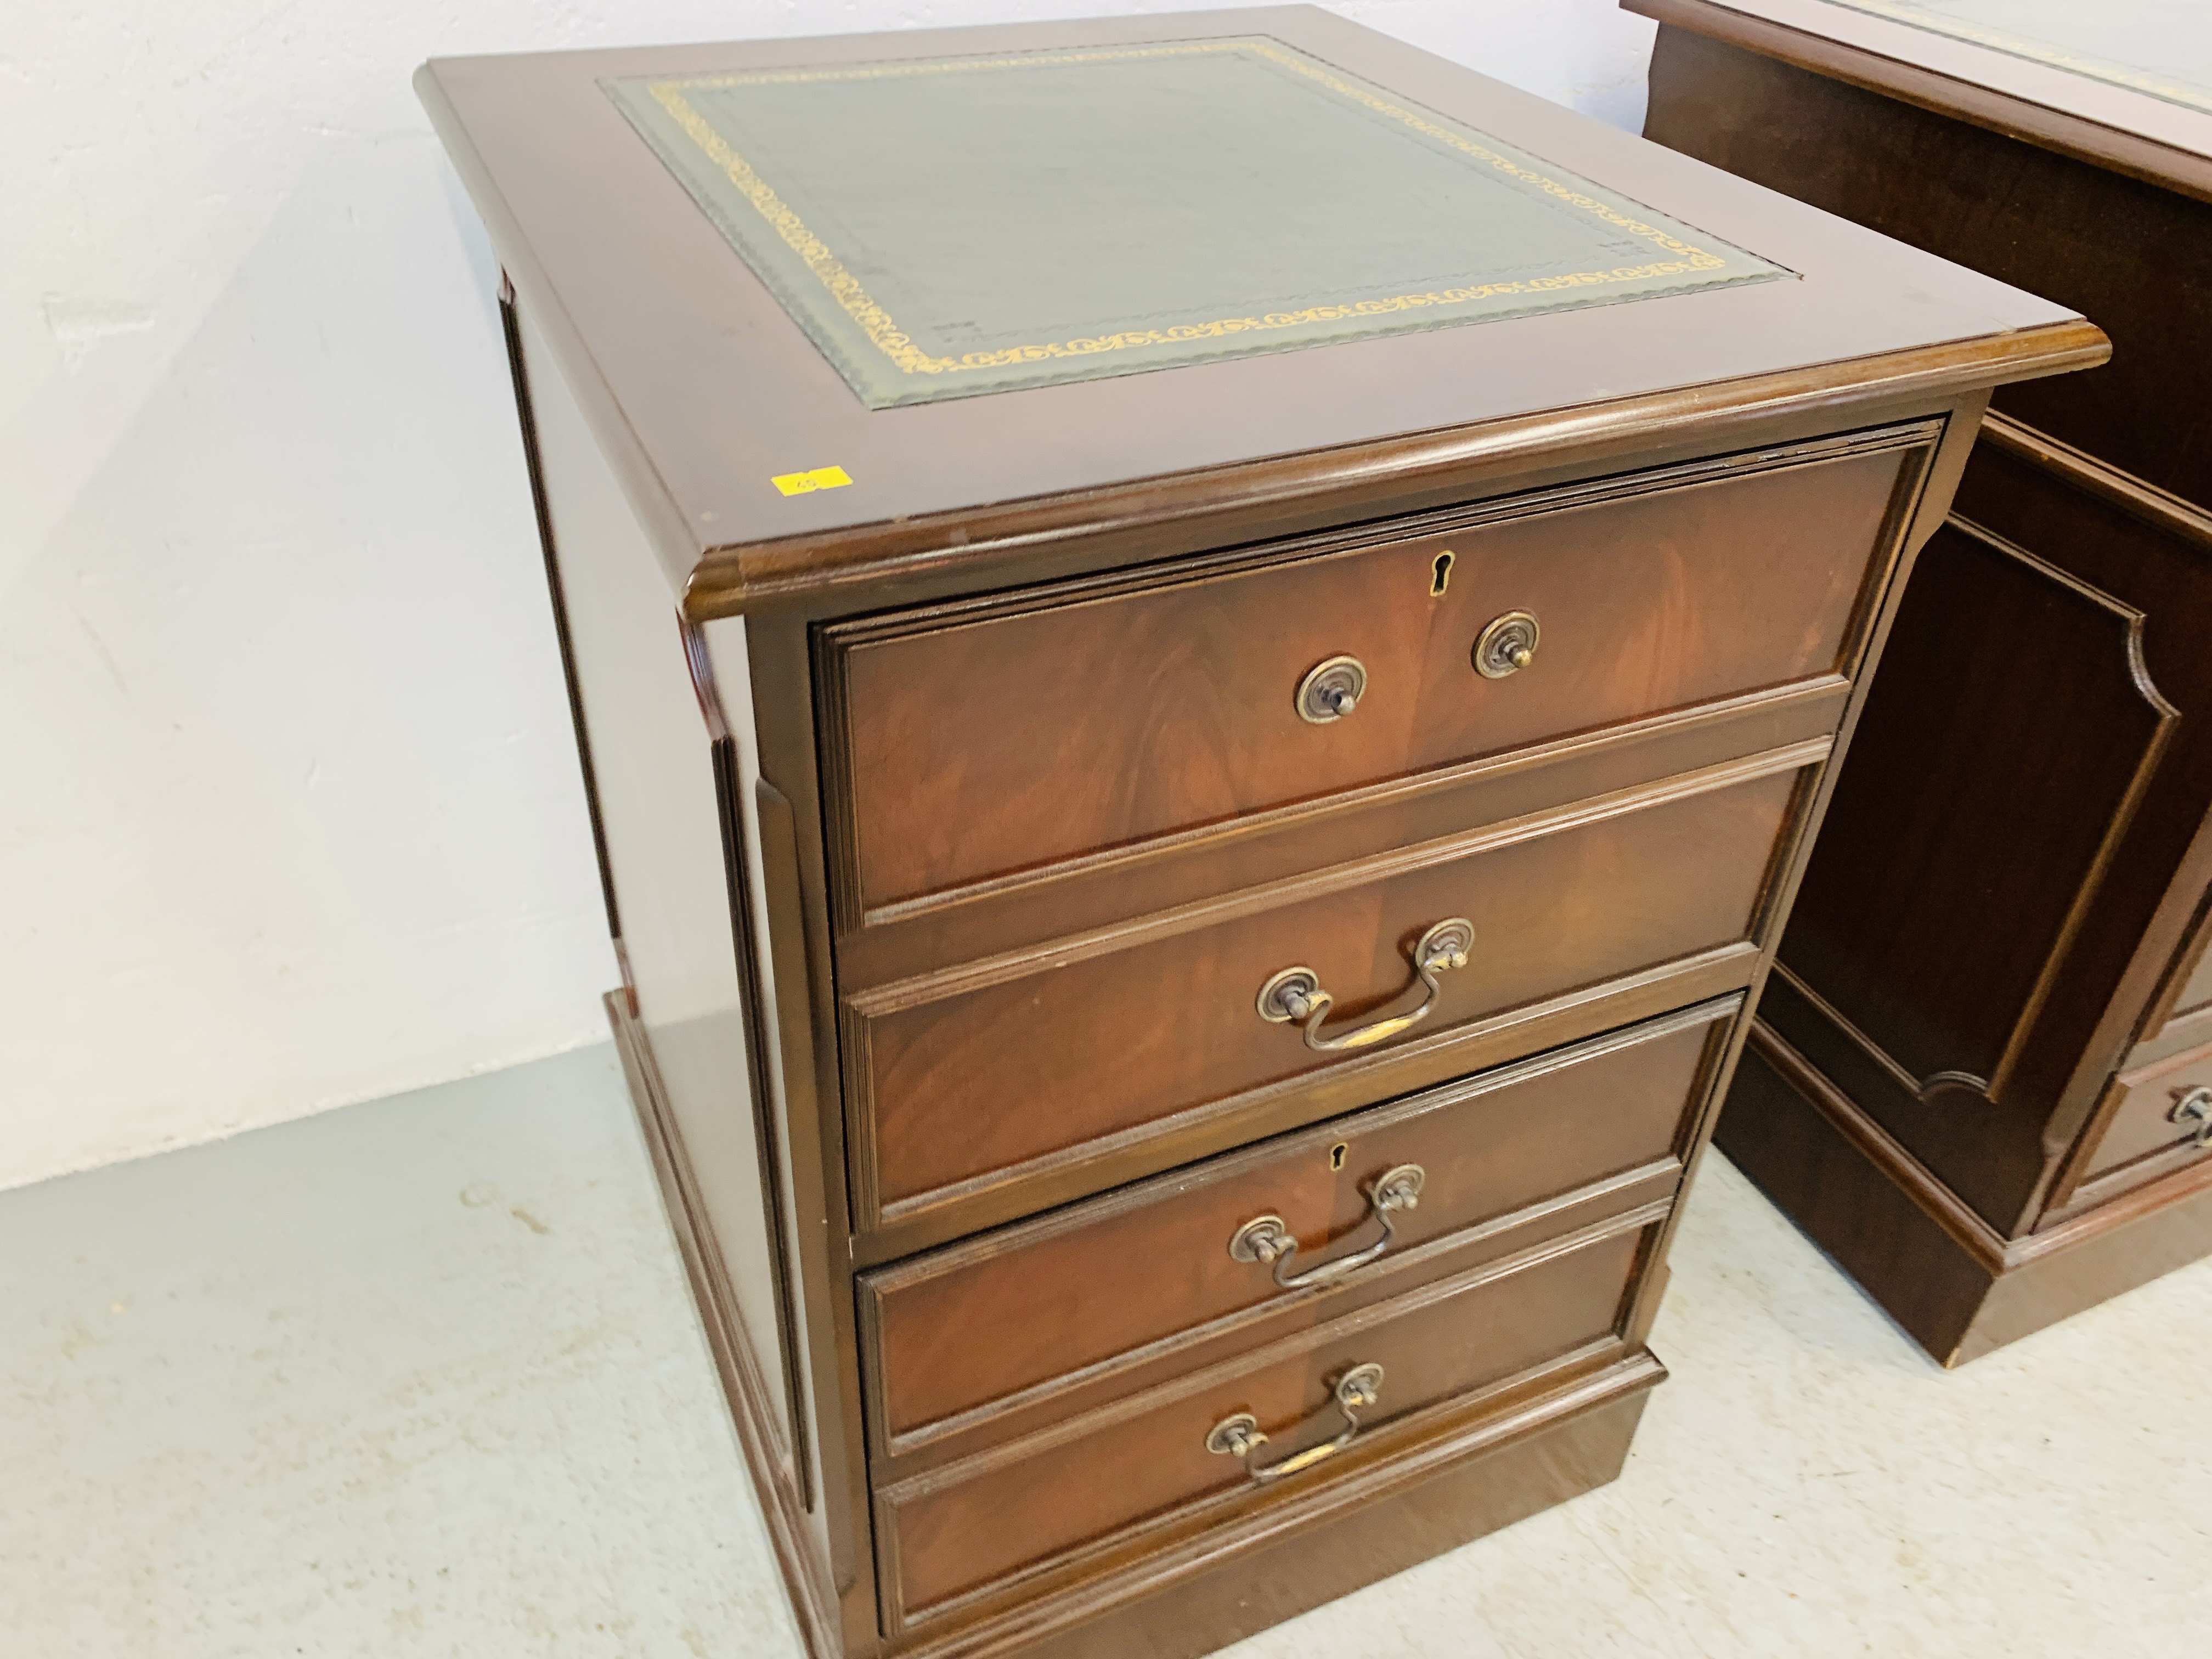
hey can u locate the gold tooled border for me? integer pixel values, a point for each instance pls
(884, 333)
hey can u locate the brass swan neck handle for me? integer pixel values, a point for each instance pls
(1267, 1237)
(1295, 994)
(1240, 1436)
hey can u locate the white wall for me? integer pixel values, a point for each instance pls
(288, 810)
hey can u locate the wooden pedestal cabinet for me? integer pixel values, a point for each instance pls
(1980, 1077)
(1183, 917)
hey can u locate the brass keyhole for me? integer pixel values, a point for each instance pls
(1442, 579)
(1336, 1154)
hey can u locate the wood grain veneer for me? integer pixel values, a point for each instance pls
(957, 1335)
(996, 1516)
(949, 820)
(1716, 578)
(1159, 1021)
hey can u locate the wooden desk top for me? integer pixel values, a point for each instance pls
(2157, 46)
(2165, 139)
(703, 390)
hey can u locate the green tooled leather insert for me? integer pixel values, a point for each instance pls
(949, 227)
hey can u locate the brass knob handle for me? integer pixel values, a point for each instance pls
(2194, 1106)
(1507, 644)
(1295, 994)
(1240, 1436)
(1331, 689)
(1267, 1237)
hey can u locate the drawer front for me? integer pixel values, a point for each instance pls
(2196, 990)
(974, 1525)
(2181, 1017)
(2145, 1123)
(1022, 1314)
(1159, 1026)
(1060, 724)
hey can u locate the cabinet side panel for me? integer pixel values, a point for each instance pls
(2008, 732)
(660, 785)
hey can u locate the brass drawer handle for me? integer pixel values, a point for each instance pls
(1239, 1437)
(1268, 1238)
(1296, 994)
(1331, 689)
(1507, 644)
(2195, 1107)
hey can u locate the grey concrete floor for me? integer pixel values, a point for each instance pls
(420, 1378)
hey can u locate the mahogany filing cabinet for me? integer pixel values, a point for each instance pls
(1205, 650)
(1982, 1077)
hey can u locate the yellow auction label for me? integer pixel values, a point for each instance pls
(801, 483)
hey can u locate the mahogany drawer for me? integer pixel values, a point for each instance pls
(1051, 1498)
(2196, 993)
(1161, 1020)
(2181, 1015)
(2145, 1123)
(979, 738)
(1020, 1325)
